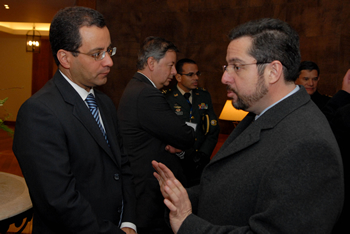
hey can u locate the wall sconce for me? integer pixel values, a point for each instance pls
(232, 114)
(33, 41)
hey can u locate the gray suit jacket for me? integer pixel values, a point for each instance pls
(76, 182)
(279, 174)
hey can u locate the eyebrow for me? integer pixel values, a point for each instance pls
(98, 49)
(232, 60)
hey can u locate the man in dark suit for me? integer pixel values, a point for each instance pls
(309, 76)
(280, 170)
(78, 178)
(193, 105)
(148, 126)
(337, 111)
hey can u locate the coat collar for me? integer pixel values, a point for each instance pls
(141, 77)
(248, 131)
(181, 99)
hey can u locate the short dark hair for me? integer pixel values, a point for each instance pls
(309, 65)
(273, 39)
(155, 47)
(65, 26)
(181, 63)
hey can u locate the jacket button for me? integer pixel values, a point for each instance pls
(116, 176)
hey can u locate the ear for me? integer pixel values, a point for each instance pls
(275, 71)
(64, 58)
(151, 63)
(178, 78)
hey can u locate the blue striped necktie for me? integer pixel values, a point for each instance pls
(91, 101)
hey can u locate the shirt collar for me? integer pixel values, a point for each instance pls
(289, 94)
(82, 92)
(182, 91)
(148, 79)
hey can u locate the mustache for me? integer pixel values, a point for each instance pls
(229, 89)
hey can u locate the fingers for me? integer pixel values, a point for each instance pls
(172, 149)
(163, 171)
(170, 205)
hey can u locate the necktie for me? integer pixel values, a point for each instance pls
(91, 101)
(187, 97)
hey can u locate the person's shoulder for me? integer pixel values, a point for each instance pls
(201, 90)
(169, 93)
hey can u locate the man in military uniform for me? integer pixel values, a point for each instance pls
(309, 76)
(194, 106)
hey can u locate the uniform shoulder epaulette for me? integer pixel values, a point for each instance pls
(202, 89)
(164, 91)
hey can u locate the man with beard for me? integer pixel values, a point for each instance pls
(280, 170)
(148, 127)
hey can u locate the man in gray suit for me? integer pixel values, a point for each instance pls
(280, 170)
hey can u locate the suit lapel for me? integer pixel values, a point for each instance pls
(244, 135)
(80, 111)
(248, 132)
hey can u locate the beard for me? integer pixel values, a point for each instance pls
(244, 102)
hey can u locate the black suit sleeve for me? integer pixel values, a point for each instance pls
(155, 115)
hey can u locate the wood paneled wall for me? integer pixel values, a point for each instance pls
(200, 27)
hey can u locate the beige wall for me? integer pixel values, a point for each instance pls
(15, 74)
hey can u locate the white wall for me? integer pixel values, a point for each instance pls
(15, 74)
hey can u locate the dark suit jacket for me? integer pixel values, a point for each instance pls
(319, 99)
(337, 111)
(76, 182)
(147, 125)
(279, 174)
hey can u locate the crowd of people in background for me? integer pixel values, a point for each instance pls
(145, 168)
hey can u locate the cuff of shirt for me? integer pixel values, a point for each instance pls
(128, 225)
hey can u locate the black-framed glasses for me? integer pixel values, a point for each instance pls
(101, 54)
(237, 67)
(191, 74)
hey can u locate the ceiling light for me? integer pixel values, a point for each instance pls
(6, 6)
(33, 41)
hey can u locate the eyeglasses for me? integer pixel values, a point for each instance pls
(237, 67)
(191, 74)
(101, 54)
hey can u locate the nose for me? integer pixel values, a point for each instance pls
(107, 61)
(225, 78)
(173, 70)
(310, 82)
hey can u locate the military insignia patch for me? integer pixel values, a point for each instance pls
(214, 122)
(175, 95)
(203, 106)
